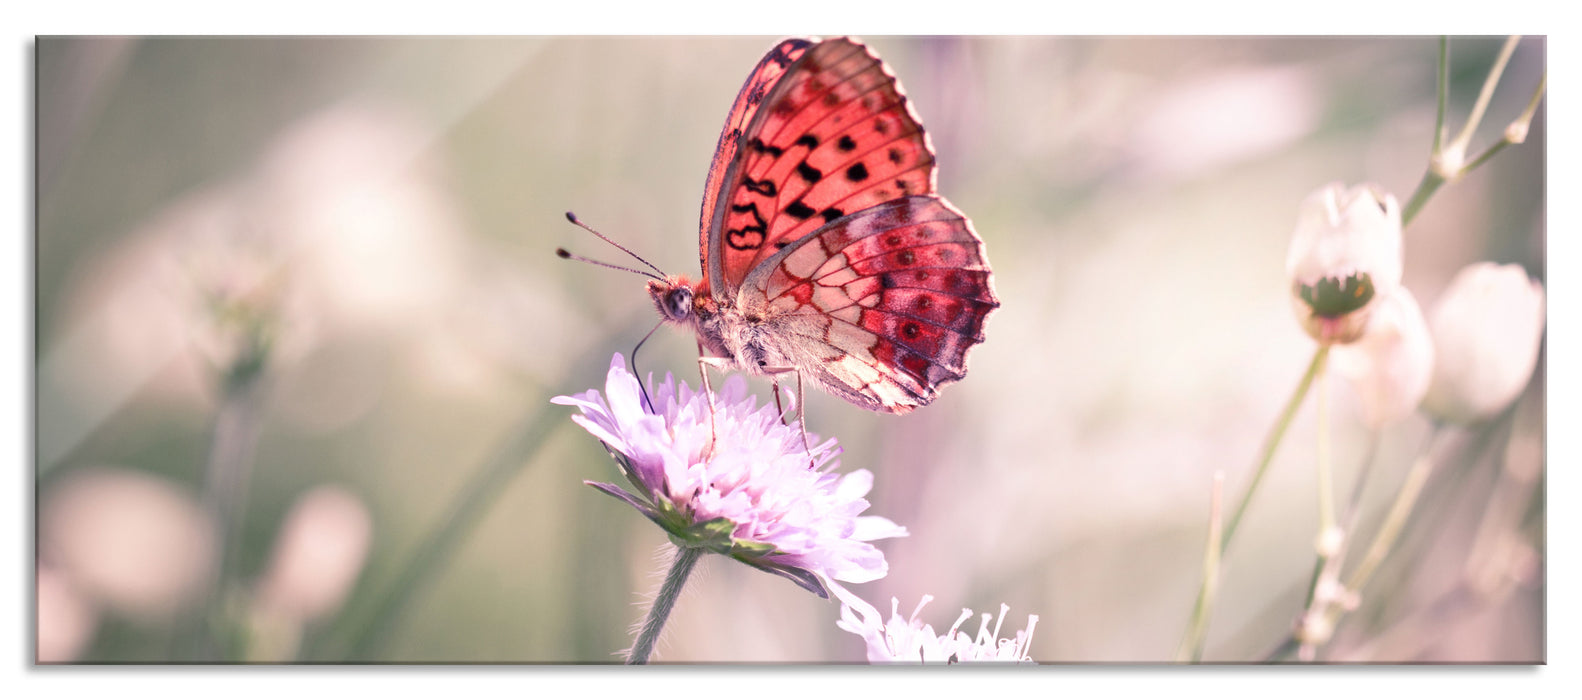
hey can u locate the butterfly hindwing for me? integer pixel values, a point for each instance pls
(834, 135)
(891, 297)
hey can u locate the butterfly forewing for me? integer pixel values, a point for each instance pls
(835, 135)
(763, 78)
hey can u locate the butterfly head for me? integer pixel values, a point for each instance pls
(679, 300)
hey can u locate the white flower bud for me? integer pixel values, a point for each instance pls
(1315, 628)
(1486, 329)
(1391, 365)
(1345, 255)
(1447, 163)
(1516, 132)
(1328, 542)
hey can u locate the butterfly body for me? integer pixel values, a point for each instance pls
(825, 247)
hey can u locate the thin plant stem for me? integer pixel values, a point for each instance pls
(365, 628)
(1442, 93)
(227, 475)
(379, 618)
(1396, 519)
(1326, 477)
(1330, 552)
(1192, 646)
(1515, 133)
(1198, 624)
(1532, 105)
(1447, 161)
(1272, 443)
(1329, 566)
(659, 612)
(1425, 189)
(1432, 178)
(1484, 95)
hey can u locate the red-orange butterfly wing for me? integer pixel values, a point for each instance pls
(892, 297)
(832, 134)
(724, 166)
(821, 223)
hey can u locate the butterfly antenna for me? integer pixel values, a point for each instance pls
(633, 362)
(564, 254)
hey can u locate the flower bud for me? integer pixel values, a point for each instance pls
(1345, 254)
(1328, 542)
(1486, 329)
(1390, 366)
(1516, 132)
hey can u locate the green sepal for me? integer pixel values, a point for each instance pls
(714, 535)
(1332, 297)
(751, 550)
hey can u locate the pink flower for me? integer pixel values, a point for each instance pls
(767, 495)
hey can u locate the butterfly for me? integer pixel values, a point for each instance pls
(825, 246)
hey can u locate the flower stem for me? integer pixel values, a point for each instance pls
(1272, 443)
(1326, 477)
(1197, 627)
(372, 628)
(1515, 133)
(228, 472)
(1400, 510)
(1447, 161)
(1432, 179)
(364, 628)
(669, 591)
(1192, 646)
(1442, 93)
(1465, 137)
(1425, 189)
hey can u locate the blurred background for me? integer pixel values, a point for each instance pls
(299, 320)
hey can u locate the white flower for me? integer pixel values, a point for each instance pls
(1345, 254)
(908, 640)
(765, 494)
(1486, 327)
(1391, 364)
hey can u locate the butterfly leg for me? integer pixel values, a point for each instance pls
(780, 408)
(722, 365)
(801, 414)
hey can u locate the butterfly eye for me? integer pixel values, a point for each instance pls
(678, 305)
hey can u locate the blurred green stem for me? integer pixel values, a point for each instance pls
(373, 625)
(227, 476)
(1326, 477)
(1400, 511)
(1330, 610)
(370, 623)
(1353, 509)
(1272, 443)
(669, 591)
(1478, 108)
(1197, 628)
(1192, 647)
(1447, 161)
(1431, 177)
